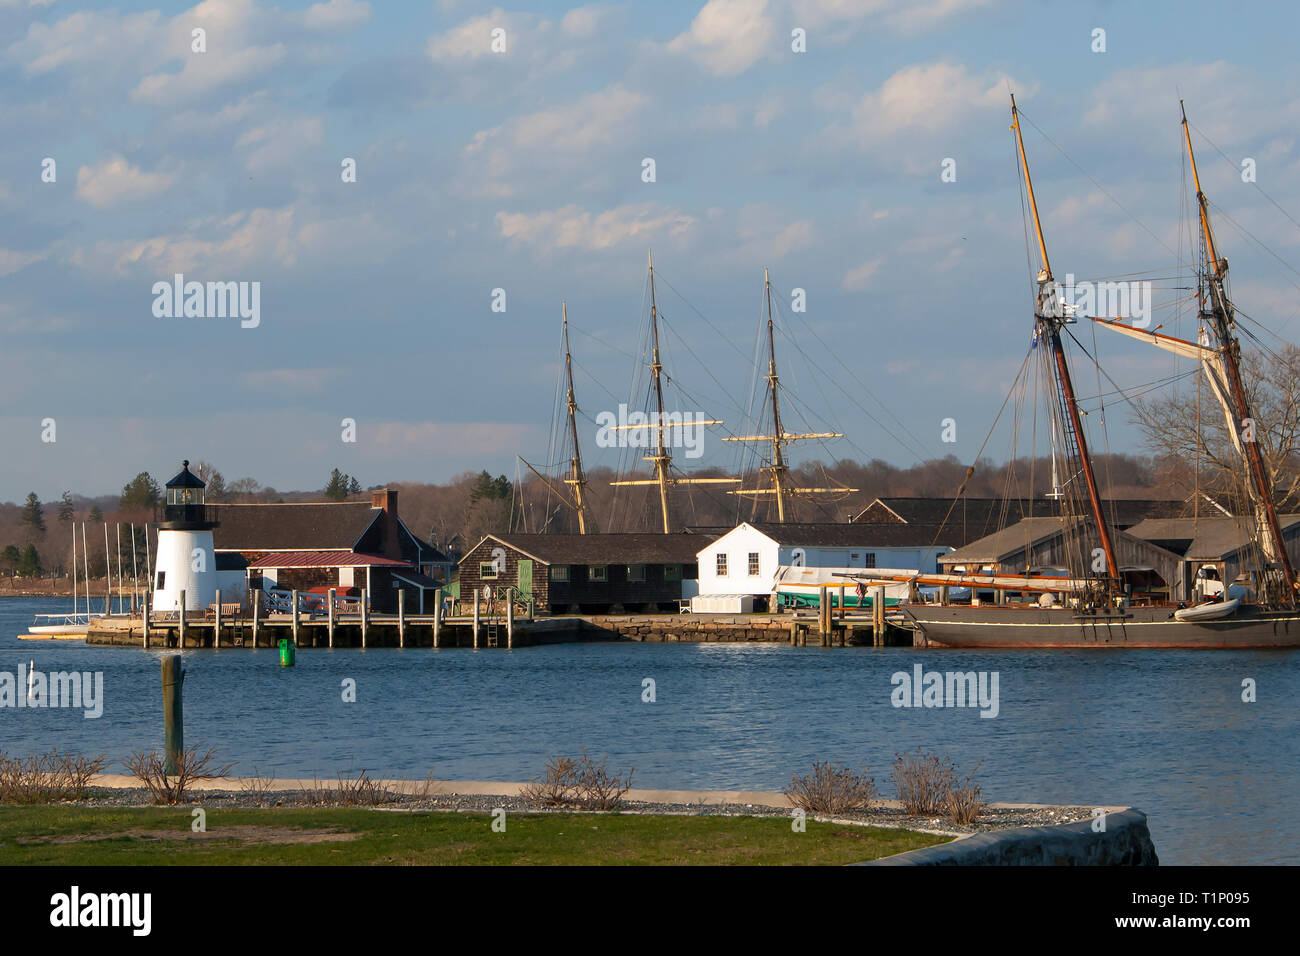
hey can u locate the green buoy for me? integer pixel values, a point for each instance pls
(288, 652)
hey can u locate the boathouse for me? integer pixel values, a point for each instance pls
(588, 573)
(1224, 546)
(1050, 542)
(746, 560)
(978, 517)
(314, 546)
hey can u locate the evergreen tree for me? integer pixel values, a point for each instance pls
(354, 486)
(66, 511)
(96, 514)
(10, 558)
(30, 562)
(34, 515)
(337, 487)
(140, 492)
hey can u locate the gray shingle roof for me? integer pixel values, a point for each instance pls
(291, 527)
(1206, 538)
(607, 548)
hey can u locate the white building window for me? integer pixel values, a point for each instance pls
(487, 571)
(870, 561)
(722, 564)
(753, 564)
(560, 572)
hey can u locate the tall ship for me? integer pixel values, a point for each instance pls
(1089, 597)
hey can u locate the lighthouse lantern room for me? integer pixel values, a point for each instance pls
(186, 561)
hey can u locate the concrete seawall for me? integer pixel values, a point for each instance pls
(1126, 841)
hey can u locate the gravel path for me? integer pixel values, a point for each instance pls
(992, 818)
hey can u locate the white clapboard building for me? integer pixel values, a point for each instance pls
(745, 562)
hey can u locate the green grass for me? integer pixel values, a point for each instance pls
(152, 836)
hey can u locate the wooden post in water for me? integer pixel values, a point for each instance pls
(182, 619)
(844, 607)
(295, 616)
(878, 616)
(476, 621)
(365, 613)
(173, 676)
(257, 607)
(401, 617)
(437, 616)
(510, 622)
(216, 624)
(329, 627)
(145, 619)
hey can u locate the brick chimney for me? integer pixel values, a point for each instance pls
(385, 499)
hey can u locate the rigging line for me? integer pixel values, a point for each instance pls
(912, 450)
(1237, 168)
(863, 385)
(596, 338)
(1088, 175)
(664, 323)
(1219, 212)
(970, 469)
(727, 339)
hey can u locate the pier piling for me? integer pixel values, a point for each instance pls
(182, 620)
(437, 616)
(295, 617)
(173, 677)
(257, 607)
(365, 614)
(401, 617)
(216, 630)
(330, 624)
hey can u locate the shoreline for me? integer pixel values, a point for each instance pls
(485, 796)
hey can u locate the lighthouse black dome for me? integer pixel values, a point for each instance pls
(186, 478)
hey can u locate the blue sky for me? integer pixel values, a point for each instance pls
(479, 170)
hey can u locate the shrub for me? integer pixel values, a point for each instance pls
(581, 783)
(832, 788)
(923, 782)
(963, 804)
(149, 767)
(48, 777)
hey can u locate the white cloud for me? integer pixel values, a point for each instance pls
(584, 21)
(571, 227)
(11, 261)
(473, 38)
(117, 181)
(929, 97)
(336, 15)
(857, 280)
(728, 36)
(903, 16)
(282, 143)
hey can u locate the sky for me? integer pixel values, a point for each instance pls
(128, 156)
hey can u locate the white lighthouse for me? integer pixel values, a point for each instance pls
(186, 561)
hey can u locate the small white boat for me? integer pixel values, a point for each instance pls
(1209, 611)
(51, 624)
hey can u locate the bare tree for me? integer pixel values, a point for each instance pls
(1176, 430)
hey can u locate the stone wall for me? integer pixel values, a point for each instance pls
(1126, 841)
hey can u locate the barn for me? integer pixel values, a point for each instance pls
(348, 545)
(588, 573)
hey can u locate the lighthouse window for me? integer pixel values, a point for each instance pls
(162, 576)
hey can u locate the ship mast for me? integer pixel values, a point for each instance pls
(1049, 318)
(1260, 486)
(779, 438)
(577, 479)
(662, 458)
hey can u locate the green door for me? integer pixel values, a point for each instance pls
(526, 579)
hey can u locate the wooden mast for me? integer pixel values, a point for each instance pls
(1050, 327)
(662, 458)
(779, 437)
(578, 479)
(1221, 312)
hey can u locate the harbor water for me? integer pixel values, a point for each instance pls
(1165, 731)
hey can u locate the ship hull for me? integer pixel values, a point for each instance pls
(1131, 627)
